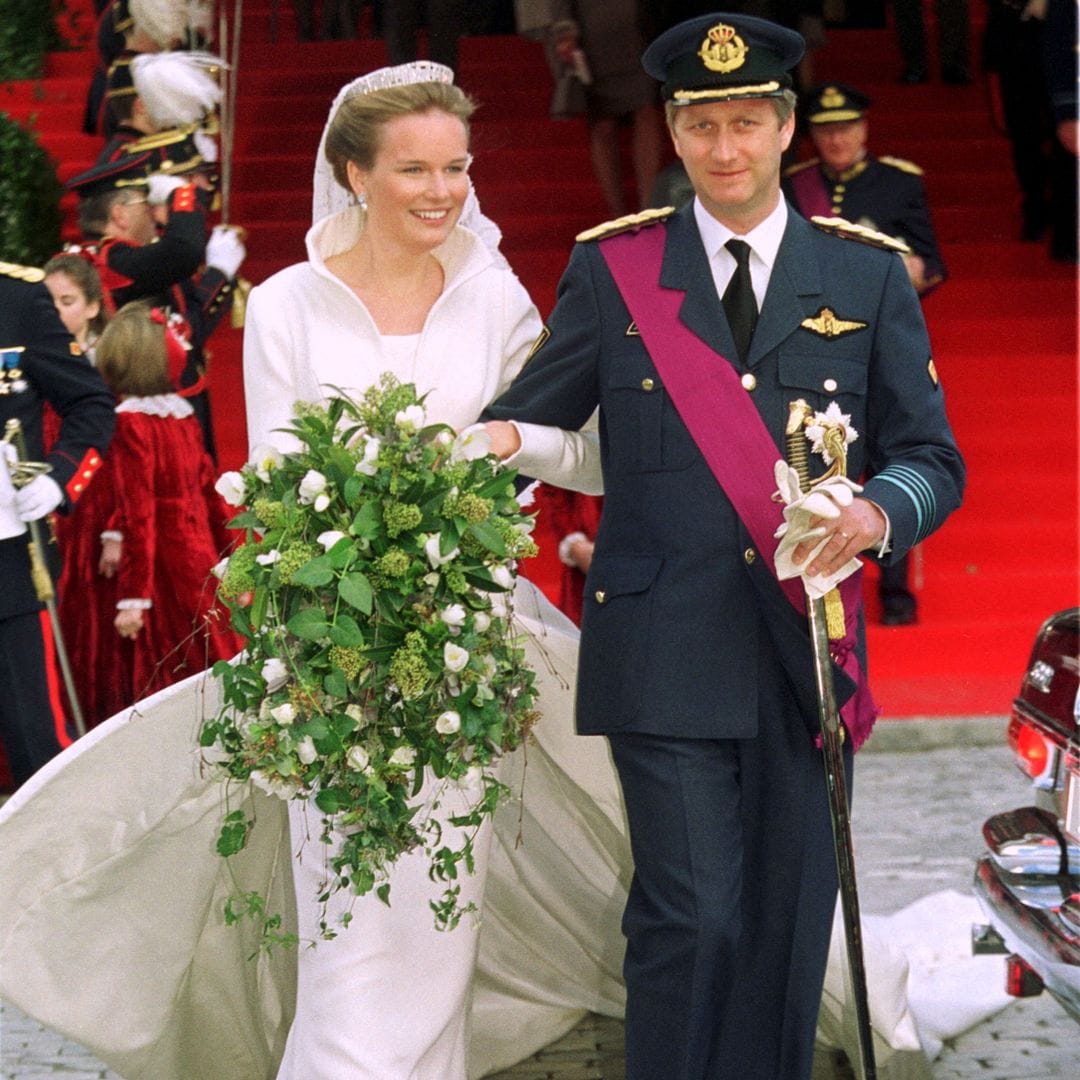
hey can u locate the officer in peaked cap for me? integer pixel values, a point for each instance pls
(693, 332)
(884, 193)
(39, 364)
(146, 232)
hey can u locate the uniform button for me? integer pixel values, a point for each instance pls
(647, 384)
(748, 381)
(78, 487)
(749, 556)
(601, 596)
(87, 474)
(839, 189)
(830, 385)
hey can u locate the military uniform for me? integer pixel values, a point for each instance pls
(693, 662)
(884, 193)
(168, 272)
(40, 363)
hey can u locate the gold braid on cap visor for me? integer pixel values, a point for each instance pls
(719, 93)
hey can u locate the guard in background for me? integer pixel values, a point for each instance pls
(39, 362)
(882, 193)
(147, 234)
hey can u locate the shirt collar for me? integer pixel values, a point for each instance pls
(764, 239)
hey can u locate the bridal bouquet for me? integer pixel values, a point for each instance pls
(372, 589)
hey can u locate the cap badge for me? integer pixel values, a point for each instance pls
(723, 50)
(831, 98)
(826, 324)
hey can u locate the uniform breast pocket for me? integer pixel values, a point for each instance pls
(820, 377)
(644, 429)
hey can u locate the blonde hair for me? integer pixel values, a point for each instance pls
(355, 133)
(131, 353)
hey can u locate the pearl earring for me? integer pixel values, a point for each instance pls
(361, 200)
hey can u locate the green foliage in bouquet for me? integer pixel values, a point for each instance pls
(29, 198)
(27, 32)
(380, 676)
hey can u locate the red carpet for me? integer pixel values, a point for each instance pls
(1003, 327)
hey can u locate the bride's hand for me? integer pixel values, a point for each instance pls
(504, 437)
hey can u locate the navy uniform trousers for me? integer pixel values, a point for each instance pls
(732, 900)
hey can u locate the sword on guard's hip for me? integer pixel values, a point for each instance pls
(22, 473)
(826, 615)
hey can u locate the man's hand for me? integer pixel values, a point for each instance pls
(160, 186)
(505, 440)
(38, 498)
(857, 528)
(225, 250)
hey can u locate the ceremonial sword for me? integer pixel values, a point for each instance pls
(23, 472)
(827, 614)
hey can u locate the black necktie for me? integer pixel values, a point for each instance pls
(740, 307)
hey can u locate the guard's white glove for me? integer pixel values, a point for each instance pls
(207, 146)
(225, 250)
(10, 525)
(160, 187)
(823, 501)
(40, 497)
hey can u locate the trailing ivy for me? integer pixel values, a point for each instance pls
(29, 197)
(27, 32)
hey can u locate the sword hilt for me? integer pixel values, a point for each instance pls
(799, 414)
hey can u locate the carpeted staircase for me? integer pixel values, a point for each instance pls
(1003, 326)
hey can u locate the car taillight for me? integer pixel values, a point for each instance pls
(1021, 980)
(1035, 753)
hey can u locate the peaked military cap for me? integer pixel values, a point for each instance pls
(128, 170)
(722, 57)
(833, 103)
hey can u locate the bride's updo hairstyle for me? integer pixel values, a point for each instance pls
(354, 134)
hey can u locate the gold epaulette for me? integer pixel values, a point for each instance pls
(626, 223)
(33, 274)
(902, 165)
(799, 166)
(159, 139)
(848, 230)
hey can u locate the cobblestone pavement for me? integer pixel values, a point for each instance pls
(922, 792)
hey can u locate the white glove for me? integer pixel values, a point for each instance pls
(823, 501)
(40, 497)
(160, 187)
(224, 250)
(207, 146)
(10, 525)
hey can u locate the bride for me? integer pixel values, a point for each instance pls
(111, 929)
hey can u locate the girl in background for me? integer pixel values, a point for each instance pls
(137, 598)
(75, 287)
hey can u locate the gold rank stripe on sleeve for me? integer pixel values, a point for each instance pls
(902, 165)
(625, 224)
(159, 139)
(32, 274)
(848, 230)
(538, 344)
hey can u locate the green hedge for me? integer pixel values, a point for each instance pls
(27, 32)
(29, 197)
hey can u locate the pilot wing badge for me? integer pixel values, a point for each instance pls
(827, 324)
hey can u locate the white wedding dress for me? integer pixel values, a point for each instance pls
(112, 895)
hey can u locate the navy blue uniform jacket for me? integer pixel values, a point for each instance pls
(677, 599)
(46, 371)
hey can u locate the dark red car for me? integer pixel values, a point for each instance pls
(1028, 882)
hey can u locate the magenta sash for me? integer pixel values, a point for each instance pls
(728, 430)
(811, 195)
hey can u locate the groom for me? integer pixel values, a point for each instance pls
(693, 332)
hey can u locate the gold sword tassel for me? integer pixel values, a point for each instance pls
(799, 415)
